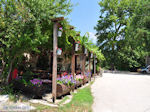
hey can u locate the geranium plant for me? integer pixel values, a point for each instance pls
(79, 77)
(36, 82)
(88, 74)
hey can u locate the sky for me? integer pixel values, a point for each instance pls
(85, 16)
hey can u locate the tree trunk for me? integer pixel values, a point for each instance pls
(113, 62)
(3, 62)
(10, 69)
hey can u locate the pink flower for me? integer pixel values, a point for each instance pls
(79, 77)
(61, 28)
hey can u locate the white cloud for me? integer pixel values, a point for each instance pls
(93, 38)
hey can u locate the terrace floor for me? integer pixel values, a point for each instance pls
(121, 92)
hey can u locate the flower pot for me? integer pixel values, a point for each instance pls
(91, 55)
(59, 33)
(76, 47)
(78, 83)
(35, 91)
(86, 80)
(85, 51)
(59, 51)
(72, 87)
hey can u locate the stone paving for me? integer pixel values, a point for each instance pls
(6, 105)
(121, 93)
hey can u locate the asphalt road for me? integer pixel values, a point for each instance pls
(121, 93)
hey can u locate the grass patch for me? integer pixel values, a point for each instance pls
(81, 102)
(63, 100)
(40, 107)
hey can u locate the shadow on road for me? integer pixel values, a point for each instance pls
(125, 72)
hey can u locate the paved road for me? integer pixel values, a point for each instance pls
(121, 93)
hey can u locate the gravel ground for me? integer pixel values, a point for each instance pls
(121, 93)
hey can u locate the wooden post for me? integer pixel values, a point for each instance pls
(90, 64)
(73, 59)
(55, 36)
(54, 83)
(83, 61)
(76, 59)
(94, 62)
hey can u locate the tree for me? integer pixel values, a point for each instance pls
(139, 26)
(137, 39)
(111, 28)
(25, 25)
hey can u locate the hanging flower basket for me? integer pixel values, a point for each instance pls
(95, 60)
(85, 51)
(59, 51)
(91, 55)
(77, 45)
(60, 32)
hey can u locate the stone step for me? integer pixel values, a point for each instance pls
(47, 97)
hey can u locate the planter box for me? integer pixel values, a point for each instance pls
(78, 83)
(62, 89)
(35, 91)
(85, 80)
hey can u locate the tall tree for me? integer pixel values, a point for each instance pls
(25, 25)
(137, 39)
(115, 15)
(139, 27)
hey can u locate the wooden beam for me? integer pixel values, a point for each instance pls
(78, 34)
(71, 27)
(57, 19)
(54, 83)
